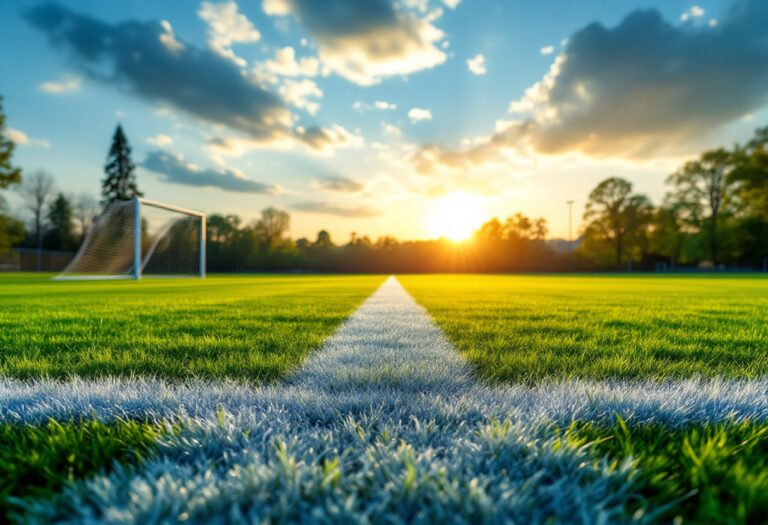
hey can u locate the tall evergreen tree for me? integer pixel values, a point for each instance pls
(8, 174)
(119, 184)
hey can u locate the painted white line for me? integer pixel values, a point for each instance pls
(389, 342)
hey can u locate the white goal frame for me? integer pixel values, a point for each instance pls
(137, 255)
(140, 259)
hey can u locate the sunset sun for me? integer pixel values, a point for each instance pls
(455, 216)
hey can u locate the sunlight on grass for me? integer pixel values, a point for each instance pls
(249, 327)
(526, 328)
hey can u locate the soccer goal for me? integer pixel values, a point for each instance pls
(141, 237)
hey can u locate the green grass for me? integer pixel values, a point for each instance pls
(37, 461)
(526, 328)
(255, 328)
(708, 474)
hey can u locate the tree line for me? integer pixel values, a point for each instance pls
(714, 214)
(58, 220)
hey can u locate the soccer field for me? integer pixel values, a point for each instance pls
(534, 399)
(528, 328)
(255, 328)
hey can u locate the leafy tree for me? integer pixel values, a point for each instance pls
(323, 241)
(669, 233)
(119, 183)
(8, 174)
(60, 234)
(703, 194)
(750, 177)
(269, 230)
(521, 227)
(615, 218)
(11, 230)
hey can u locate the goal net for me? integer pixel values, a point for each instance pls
(140, 237)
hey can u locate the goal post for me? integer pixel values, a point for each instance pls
(141, 237)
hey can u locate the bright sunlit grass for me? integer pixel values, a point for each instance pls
(455, 216)
(526, 328)
(249, 327)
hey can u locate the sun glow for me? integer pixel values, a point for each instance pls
(455, 216)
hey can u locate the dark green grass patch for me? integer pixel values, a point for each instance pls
(525, 328)
(247, 327)
(37, 461)
(715, 473)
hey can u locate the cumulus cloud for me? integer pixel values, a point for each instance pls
(391, 130)
(174, 169)
(22, 139)
(694, 12)
(298, 93)
(419, 114)
(339, 183)
(366, 41)
(645, 87)
(146, 60)
(160, 140)
(227, 26)
(316, 138)
(285, 65)
(381, 105)
(547, 50)
(325, 208)
(476, 65)
(66, 84)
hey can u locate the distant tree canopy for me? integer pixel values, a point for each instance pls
(119, 183)
(8, 173)
(11, 230)
(703, 195)
(616, 220)
(60, 233)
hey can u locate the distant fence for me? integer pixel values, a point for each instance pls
(32, 260)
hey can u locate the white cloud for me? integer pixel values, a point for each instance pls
(168, 38)
(66, 84)
(452, 4)
(366, 43)
(547, 50)
(477, 65)
(276, 7)
(693, 12)
(381, 105)
(418, 114)
(227, 26)
(285, 64)
(391, 130)
(160, 140)
(298, 92)
(712, 22)
(22, 139)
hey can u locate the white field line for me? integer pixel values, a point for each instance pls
(389, 342)
(385, 421)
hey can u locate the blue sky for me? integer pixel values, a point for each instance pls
(232, 107)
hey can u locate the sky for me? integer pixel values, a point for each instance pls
(381, 116)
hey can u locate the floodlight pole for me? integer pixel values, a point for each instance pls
(202, 247)
(570, 236)
(136, 238)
